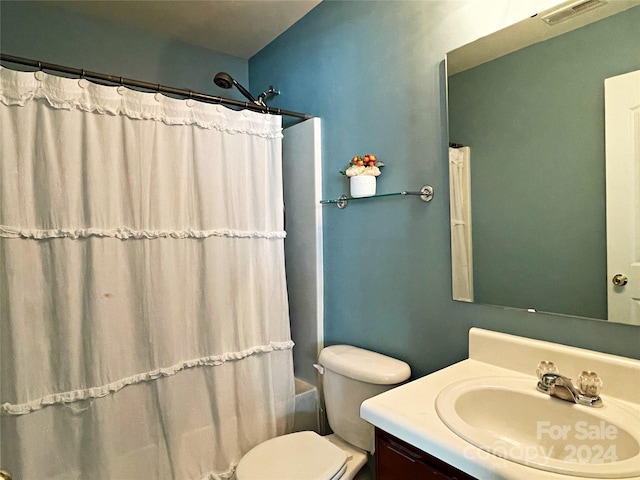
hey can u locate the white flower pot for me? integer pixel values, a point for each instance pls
(362, 186)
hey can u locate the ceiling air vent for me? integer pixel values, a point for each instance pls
(568, 12)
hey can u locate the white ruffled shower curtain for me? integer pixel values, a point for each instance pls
(460, 206)
(144, 327)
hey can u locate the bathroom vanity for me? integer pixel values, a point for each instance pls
(396, 459)
(484, 417)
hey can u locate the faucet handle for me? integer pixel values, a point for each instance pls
(589, 384)
(546, 367)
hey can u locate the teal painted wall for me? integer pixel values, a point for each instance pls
(35, 30)
(534, 120)
(374, 72)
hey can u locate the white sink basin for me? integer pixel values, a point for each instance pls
(509, 418)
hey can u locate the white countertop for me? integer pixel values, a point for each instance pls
(409, 413)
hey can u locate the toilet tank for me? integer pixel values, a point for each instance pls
(351, 375)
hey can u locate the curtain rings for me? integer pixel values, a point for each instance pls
(121, 88)
(39, 74)
(82, 82)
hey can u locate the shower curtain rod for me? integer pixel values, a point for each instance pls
(203, 97)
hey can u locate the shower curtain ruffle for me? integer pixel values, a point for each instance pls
(104, 390)
(141, 238)
(125, 233)
(18, 88)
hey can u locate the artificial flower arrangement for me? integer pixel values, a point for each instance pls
(363, 165)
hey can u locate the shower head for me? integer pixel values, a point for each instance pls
(224, 80)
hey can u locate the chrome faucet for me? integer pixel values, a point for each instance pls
(586, 392)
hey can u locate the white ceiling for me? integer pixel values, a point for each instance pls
(240, 28)
(527, 32)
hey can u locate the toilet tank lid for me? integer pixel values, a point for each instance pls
(364, 365)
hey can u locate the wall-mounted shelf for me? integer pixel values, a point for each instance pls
(425, 194)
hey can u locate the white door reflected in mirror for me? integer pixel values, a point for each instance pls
(622, 120)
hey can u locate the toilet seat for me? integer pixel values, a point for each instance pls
(297, 456)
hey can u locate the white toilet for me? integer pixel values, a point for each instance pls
(351, 375)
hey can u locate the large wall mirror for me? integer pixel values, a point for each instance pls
(527, 158)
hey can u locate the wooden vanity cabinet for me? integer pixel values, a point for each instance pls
(398, 460)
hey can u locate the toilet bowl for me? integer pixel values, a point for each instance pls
(302, 456)
(350, 376)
